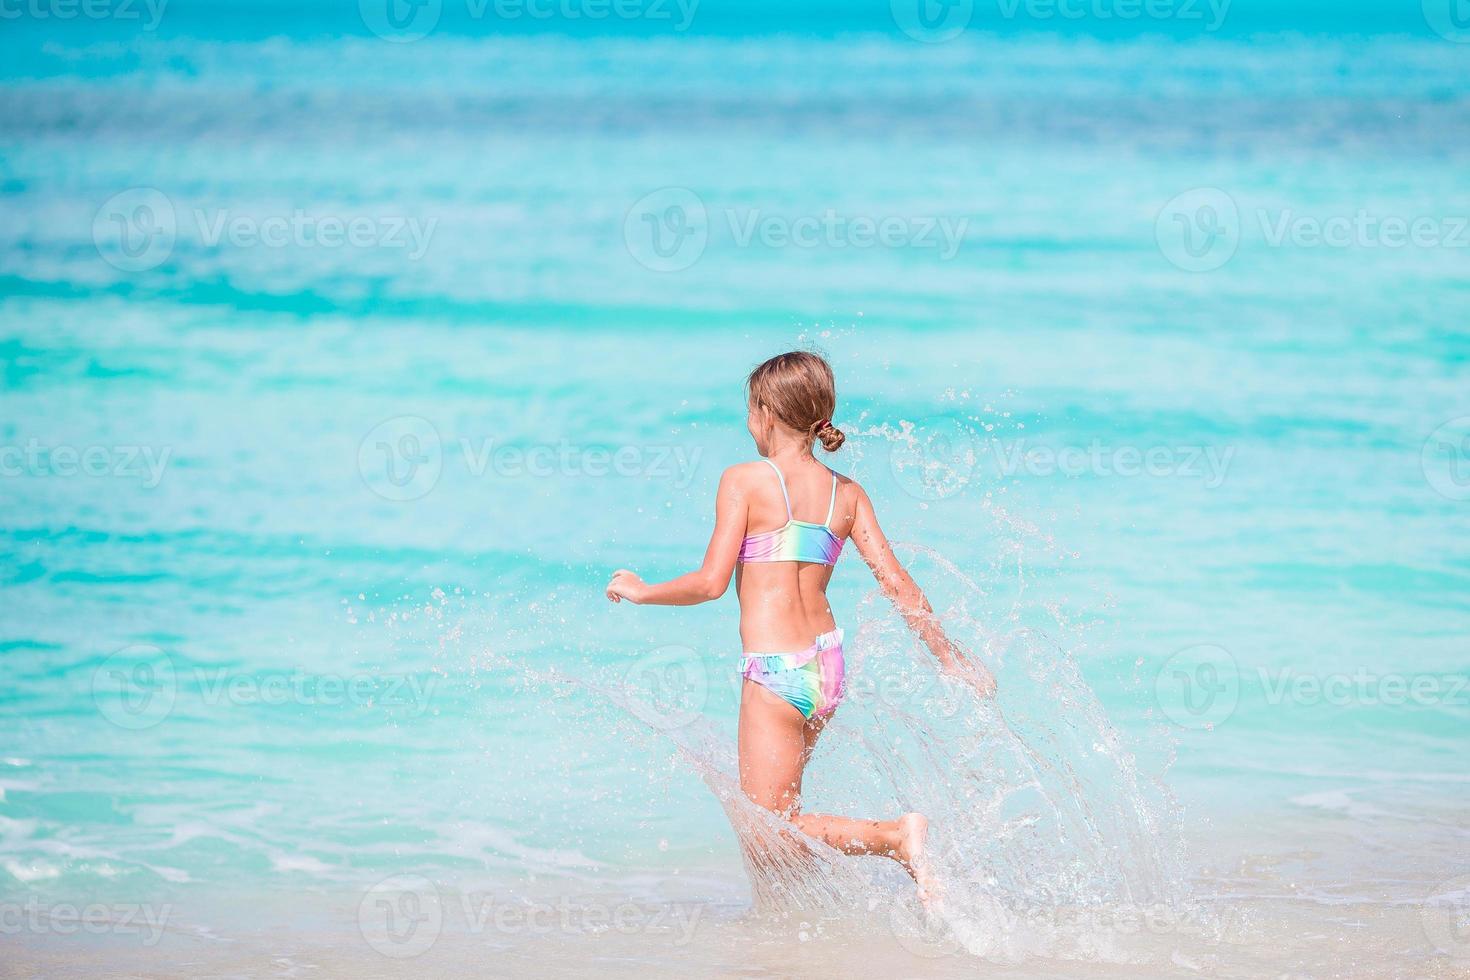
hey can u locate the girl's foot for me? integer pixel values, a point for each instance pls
(913, 832)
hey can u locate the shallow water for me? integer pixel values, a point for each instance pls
(321, 642)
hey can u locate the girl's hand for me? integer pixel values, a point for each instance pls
(977, 676)
(956, 663)
(625, 585)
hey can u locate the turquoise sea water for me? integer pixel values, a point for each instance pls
(339, 373)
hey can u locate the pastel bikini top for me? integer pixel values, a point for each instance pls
(795, 540)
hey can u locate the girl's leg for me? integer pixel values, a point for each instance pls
(775, 742)
(772, 749)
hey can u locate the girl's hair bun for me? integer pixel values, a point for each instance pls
(831, 436)
(798, 389)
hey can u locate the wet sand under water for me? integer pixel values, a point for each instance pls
(1286, 938)
(1259, 914)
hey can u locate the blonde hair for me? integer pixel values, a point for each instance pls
(799, 390)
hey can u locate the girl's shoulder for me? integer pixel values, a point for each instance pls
(758, 472)
(763, 468)
(742, 478)
(745, 472)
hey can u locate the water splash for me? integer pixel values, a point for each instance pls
(1045, 835)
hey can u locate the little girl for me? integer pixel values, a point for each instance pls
(780, 524)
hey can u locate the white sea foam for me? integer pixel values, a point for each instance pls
(299, 862)
(31, 871)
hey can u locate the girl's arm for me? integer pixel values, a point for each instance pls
(905, 594)
(710, 580)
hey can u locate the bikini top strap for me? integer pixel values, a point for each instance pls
(784, 495)
(830, 506)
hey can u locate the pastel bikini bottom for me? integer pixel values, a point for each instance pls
(811, 681)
